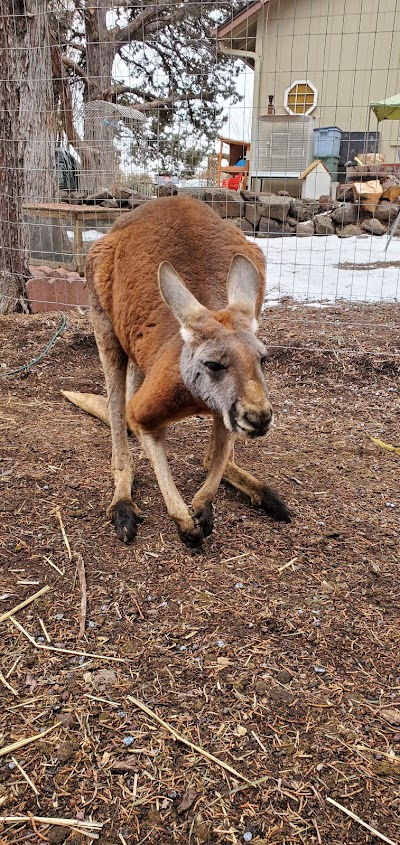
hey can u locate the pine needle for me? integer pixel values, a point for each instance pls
(185, 741)
(15, 609)
(361, 822)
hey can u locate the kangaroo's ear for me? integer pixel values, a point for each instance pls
(182, 303)
(243, 285)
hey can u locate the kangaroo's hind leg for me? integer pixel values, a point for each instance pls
(261, 496)
(124, 513)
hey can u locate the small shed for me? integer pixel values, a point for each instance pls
(316, 181)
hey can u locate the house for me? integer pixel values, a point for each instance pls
(317, 63)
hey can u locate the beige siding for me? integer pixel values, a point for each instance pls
(348, 49)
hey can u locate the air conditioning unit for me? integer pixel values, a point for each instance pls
(283, 147)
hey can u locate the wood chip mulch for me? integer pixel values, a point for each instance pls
(273, 652)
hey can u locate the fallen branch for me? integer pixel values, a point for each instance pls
(6, 684)
(73, 823)
(57, 512)
(187, 742)
(82, 586)
(361, 822)
(14, 610)
(64, 650)
(20, 743)
(26, 776)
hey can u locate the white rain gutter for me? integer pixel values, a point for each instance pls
(247, 54)
(250, 54)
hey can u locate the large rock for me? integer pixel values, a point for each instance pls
(269, 228)
(100, 196)
(137, 199)
(326, 203)
(249, 196)
(304, 210)
(122, 194)
(196, 193)
(386, 212)
(252, 213)
(305, 229)
(349, 231)
(241, 223)
(373, 226)
(110, 204)
(274, 207)
(345, 193)
(346, 213)
(323, 225)
(225, 203)
(167, 191)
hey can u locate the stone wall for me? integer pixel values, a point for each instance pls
(269, 215)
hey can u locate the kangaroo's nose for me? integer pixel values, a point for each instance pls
(259, 420)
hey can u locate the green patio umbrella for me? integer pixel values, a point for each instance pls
(388, 109)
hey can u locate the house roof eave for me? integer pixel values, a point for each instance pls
(228, 28)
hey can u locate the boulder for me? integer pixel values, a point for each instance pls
(386, 211)
(345, 193)
(349, 231)
(241, 223)
(225, 203)
(374, 226)
(122, 194)
(110, 204)
(252, 213)
(290, 221)
(283, 194)
(167, 191)
(346, 213)
(305, 229)
(136, 199)
(100, 196)
(274, 207)
(270, 228)
(326, 203)
(196, 193)
(323, 225)
(249, 196)
(304, 210)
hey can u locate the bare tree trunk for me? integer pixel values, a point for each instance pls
(100, 52)
(27, 139)
(36, 112)
(13, 254)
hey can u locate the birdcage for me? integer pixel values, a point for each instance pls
(103, 123)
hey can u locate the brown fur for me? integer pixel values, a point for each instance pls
(132, 322)
(132, 252)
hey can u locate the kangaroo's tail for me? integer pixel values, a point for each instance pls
(91, 403)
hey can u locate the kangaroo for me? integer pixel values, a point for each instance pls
(175, 294)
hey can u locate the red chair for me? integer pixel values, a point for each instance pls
(235, 182)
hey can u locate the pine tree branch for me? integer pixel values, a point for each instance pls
(75, 67)
(111, 95)
(123, 36)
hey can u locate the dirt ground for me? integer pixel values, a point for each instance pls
(275, 649)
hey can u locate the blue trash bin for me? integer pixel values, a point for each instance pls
(327, 141)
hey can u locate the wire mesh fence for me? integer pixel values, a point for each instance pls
(283, 115)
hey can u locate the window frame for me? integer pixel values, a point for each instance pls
(289, 91)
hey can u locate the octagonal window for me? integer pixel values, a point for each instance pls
(301, 97)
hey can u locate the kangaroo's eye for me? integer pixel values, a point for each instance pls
(214, 366)
(264, 360)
